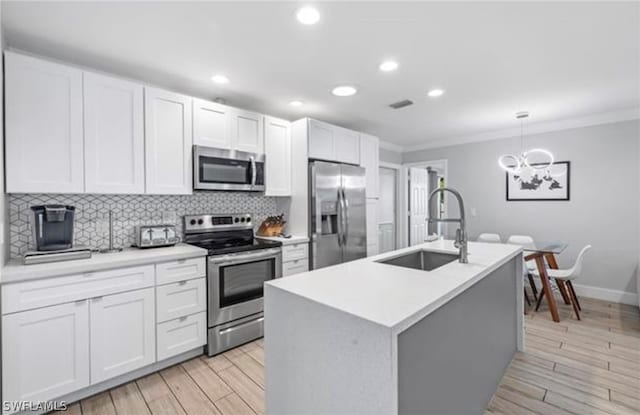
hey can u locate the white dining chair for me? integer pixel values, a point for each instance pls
(529, 266)
(489, 237)
(568, 275)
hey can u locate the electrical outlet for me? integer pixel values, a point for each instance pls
(474, 212)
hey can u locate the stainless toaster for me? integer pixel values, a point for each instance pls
(151, 236)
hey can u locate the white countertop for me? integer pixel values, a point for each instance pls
(295, 239)
(394, 296)
(16, 271)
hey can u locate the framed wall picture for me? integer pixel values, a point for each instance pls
(551, 184)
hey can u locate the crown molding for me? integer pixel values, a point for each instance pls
(390, 146)
(533, 129)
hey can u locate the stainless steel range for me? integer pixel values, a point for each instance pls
(237, 267)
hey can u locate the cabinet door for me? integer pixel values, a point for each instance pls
(45, 352)
(372, 227)
(211, 124)
(113, 135)
(43, 109)
(369, 159)
(168, 142)
(247, 131)
(321, 141)
(122, 333)
(347, 144)
(277, 144)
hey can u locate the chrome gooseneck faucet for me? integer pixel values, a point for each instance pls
(461, 232)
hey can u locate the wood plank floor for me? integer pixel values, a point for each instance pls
(572, 367)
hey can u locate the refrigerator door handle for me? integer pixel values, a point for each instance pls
(340, 218)
(345, 214)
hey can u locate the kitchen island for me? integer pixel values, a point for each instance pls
(369, 337)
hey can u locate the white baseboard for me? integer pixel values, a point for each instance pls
(606, 294)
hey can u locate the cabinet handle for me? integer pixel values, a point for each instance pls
(88, 274)
(80, 302)
(98, 298)
(183, 318)
(182, 261)
(183, 282)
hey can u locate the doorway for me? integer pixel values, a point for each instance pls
(421, 179)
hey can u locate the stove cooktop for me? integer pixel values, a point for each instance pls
(223, 234)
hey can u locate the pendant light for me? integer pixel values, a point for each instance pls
(521, 165)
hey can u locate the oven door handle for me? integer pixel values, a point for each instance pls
(238, 258)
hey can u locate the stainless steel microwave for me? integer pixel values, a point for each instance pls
(218, 169)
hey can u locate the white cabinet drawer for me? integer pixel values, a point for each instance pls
(58, 290)
(295, 267)
(181, 299)
(181, 335)
(180, 270)
(295, 251)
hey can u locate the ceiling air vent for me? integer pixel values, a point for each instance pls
(401, 104)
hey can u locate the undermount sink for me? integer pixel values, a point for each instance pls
(423, 260)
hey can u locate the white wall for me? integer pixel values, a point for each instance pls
(390, 156)
(604, 206)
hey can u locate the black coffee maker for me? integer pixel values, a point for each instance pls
(52, 227)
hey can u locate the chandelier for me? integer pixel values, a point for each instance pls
(521, 166)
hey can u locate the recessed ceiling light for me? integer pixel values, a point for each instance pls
(308, 15)
(220, 79)
(344, 91)
(296, 103)
(434, 93)
(388, 66)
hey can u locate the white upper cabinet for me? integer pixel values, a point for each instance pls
(321, 140)
(168, 140)
(333, 143)
(113, 135)
(369, 159)
(277, 145)
(44, 149)
(211, 124)
(247, 131)
(347, 145)
(122, 333)
(45, 352)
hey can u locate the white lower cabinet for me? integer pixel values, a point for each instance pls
(295, 267)
(181, 335)
(122, 333)
(45, 352)
(63, 334)
(295, 258)
(181, 298)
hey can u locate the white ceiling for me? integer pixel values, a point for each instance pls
(557, 60)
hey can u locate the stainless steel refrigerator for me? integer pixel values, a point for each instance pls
(337, 214)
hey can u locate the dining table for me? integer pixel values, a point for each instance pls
(539, 251)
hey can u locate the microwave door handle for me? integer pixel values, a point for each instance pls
(253, 170)
(40, 230)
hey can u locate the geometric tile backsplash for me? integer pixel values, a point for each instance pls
(91, 224)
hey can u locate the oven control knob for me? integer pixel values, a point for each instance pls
(200, 221)
(241, 219)
(248, 220)
(236, 220)
(193, 221)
